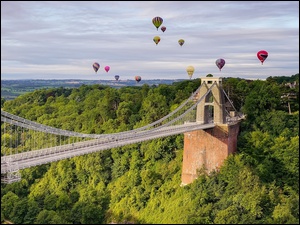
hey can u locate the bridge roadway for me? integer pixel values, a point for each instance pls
(47, 155)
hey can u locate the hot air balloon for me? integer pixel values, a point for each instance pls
(262, 55)
(117, 77)
(181, 42)
(107, 68)
(138, 79)
(96, 66)
(220, 63)
(190, 70)
(163, 28)
(156, 39)
(157, 21)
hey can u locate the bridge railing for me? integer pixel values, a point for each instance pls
(44, 156)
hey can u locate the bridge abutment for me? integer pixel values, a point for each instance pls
(207, 149)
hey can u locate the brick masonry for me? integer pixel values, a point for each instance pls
(207, 149)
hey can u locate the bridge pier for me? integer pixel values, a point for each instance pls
(207, 149)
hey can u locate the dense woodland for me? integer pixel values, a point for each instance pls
(140, 183)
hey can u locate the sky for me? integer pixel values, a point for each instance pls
(62, 39)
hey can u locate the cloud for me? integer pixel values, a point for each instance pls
(61, 40)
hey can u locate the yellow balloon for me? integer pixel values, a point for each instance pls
(156, 39)
(190, 70)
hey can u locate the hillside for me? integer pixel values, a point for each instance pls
(140, 183)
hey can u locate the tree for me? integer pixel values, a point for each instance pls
(2, 102)
(33, 210)
(263, 98)
(19, 211)
(49, 217)
(124, 112)
(154, 107)
(50, 202)
(8, 202)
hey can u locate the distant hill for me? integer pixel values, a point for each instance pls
(10, 89)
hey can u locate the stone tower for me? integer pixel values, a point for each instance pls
(207, 149)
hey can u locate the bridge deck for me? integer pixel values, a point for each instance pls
(43, 156)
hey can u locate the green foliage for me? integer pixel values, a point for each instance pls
(50, 202)
(49, 217)
(274, 158)
(284, 79)
(161, 148)
(32, 211)
(236, 89)
(124, 112)
(19, 211)
(154, 107)
(121, 158)
(8, 202)
(263, 98)
(275, 122)
(140, 183)
(2, 101)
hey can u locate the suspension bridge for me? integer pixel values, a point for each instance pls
(27, 143)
